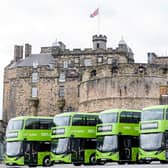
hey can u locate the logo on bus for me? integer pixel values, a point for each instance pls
(152, 125)
(104, 128)
(58, 131)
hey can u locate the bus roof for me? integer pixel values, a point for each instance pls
(156, 107)
(27, 117)
(118, 110)
(73, 113)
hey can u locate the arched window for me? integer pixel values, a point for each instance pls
(93, 73)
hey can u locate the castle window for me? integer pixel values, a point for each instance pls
(76, 60)
(61, 91)
(93, 73)
(98, 45)
(70, 109)
(62, 77)
(65, 64)
(141, 69)
(114, 62)
(165, 70)
(109, 60)
(34, 77)
(88, 62)
(100, 59)
(34, 92)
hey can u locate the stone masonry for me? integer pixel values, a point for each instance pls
(90, 80)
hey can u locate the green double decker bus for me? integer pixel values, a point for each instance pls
(118, 136)
(28, 141)
(74, 138)
(154, 134)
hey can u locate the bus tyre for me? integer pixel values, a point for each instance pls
(92, 159)
(121, 162)
(77, 164)
(46, 161)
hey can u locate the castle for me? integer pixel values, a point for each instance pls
(90, 80)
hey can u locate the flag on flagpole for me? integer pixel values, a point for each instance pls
(95, 13)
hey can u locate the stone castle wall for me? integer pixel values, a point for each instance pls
(80, 80)
(132, 86)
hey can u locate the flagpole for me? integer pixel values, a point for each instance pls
(98, 19)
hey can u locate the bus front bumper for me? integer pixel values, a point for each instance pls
(107, 156)
(56, 159)
(14, 160)
(148, 156)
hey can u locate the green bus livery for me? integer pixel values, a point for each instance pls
(118, 136)
(28, 141)
(74, 138)
(154, 134)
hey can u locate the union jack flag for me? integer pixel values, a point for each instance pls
(95, 13)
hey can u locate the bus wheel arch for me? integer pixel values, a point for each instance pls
(46, 161)
(92, 159)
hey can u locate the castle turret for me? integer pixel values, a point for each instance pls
(57, 47)
(99, 41)
(123, 45)
(124, 48)
(18, 52)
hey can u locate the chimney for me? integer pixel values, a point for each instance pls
(18, 52)
(28, 50)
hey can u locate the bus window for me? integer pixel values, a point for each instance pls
(91, 120)
(90, 144)
(129, 117)
(15, 125)
(167, 114)
(78, 120)
(152, 114)
(32, 124)
(61, 120)
(45, 124)
(135, 141)
(44, 146)
(108, 117)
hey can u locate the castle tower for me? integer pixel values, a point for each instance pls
(99, 41)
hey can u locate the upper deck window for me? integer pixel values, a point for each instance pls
(129, 117)
(34, 123)
(108, 117)
(152, 114)
(61, 120)
(84, 120)
(78, 120)
(167, 114)
(15, 125)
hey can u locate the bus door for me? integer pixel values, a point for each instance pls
(77, 149)
(125, 152)
(31, 153)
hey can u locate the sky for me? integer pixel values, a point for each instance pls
(142, 23)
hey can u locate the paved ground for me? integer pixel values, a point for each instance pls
(109, 165)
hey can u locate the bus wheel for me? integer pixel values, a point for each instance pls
(121, 162)
(46, 161)
(163, 162)
(77, 164)
(92, 159)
